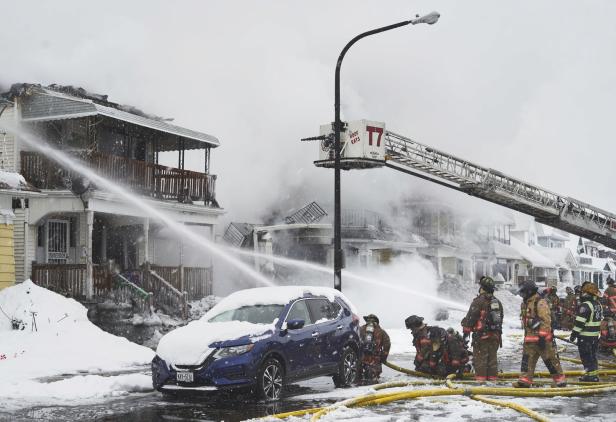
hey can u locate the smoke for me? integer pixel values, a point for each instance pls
(508, 86)
(407, 286)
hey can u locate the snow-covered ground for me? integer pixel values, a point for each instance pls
(101, 365)
(457, 407)
(56, 338)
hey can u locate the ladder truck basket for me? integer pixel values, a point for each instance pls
(362, 145)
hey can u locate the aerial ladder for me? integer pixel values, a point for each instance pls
(367, 144)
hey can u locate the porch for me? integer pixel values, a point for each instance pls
(145, 178)
(146, 288)
(99, 256)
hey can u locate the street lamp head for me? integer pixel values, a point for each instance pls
(430, 18)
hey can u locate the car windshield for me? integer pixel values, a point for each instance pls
(257, 314)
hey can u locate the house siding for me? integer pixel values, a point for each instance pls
(7, 257)
(8, 153)
(19, 244)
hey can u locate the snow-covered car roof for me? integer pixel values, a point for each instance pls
(279, 295)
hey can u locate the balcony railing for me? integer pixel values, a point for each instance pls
(166, 288)
(145, 178)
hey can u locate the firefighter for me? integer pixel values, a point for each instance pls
(538, 338)
(607, 342)
(485, 319)
(551, 297)
(609, 298)
(438, 357)
(457, 353)
(375, 349)
(421, 341)
(587, 330)
(569, 309)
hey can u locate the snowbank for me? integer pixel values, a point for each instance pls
(12, 180)
(63, 341)
(88, 388)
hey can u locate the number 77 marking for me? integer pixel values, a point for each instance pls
(374, 129)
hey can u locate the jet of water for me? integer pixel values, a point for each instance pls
(63, 159)
(323, 269)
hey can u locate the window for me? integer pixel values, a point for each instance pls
(257, 314)
(299, 310)
(73, 232)
(40, 236)
(323, 310)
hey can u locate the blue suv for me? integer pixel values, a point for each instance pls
(261, 339)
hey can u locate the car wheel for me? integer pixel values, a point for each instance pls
(347, 368)
(270, 380)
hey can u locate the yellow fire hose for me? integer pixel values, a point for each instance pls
(534, 415)
(476, 393)
(507, 375)
(385, 398)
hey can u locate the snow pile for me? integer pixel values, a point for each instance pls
(86, 388)
(12, 180)
(189, 345)
(198, 308)
(63, 341)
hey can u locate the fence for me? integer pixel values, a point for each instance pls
(167, 288)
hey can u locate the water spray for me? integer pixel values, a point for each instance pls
(63, 159)
(347, 273)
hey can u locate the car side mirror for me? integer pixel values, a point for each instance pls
(295, 324)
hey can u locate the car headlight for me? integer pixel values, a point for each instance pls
(228, 352)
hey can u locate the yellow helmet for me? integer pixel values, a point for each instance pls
(590, 289)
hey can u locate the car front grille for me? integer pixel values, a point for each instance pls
(207, 362)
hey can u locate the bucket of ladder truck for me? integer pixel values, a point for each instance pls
(351, 163)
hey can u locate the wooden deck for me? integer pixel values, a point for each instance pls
(142, 177)
(166, 288)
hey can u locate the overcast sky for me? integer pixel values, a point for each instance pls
(526, 87)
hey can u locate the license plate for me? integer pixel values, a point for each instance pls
(185, 376)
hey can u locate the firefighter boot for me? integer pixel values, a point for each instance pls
(589, 378)
(522, 383)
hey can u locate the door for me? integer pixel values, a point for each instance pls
(328, 325)
(57, 241)
(300, 346)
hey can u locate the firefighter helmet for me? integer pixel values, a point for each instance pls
(569, 290)
(487, 284)
(576, 289)
(610, 281)
(527, 289)
(413, 321)
(437, 333)
(590, 289)
(371, 317)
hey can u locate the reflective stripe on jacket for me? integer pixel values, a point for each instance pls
(588, 319)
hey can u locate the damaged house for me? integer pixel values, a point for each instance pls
(76, 238)
(368, 239)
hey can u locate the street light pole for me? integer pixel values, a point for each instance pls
(430, 19)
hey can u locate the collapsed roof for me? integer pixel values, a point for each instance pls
(57, 102)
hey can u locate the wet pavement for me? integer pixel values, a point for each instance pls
(141, 407)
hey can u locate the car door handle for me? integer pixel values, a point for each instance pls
(316, 333)
(339, 327)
